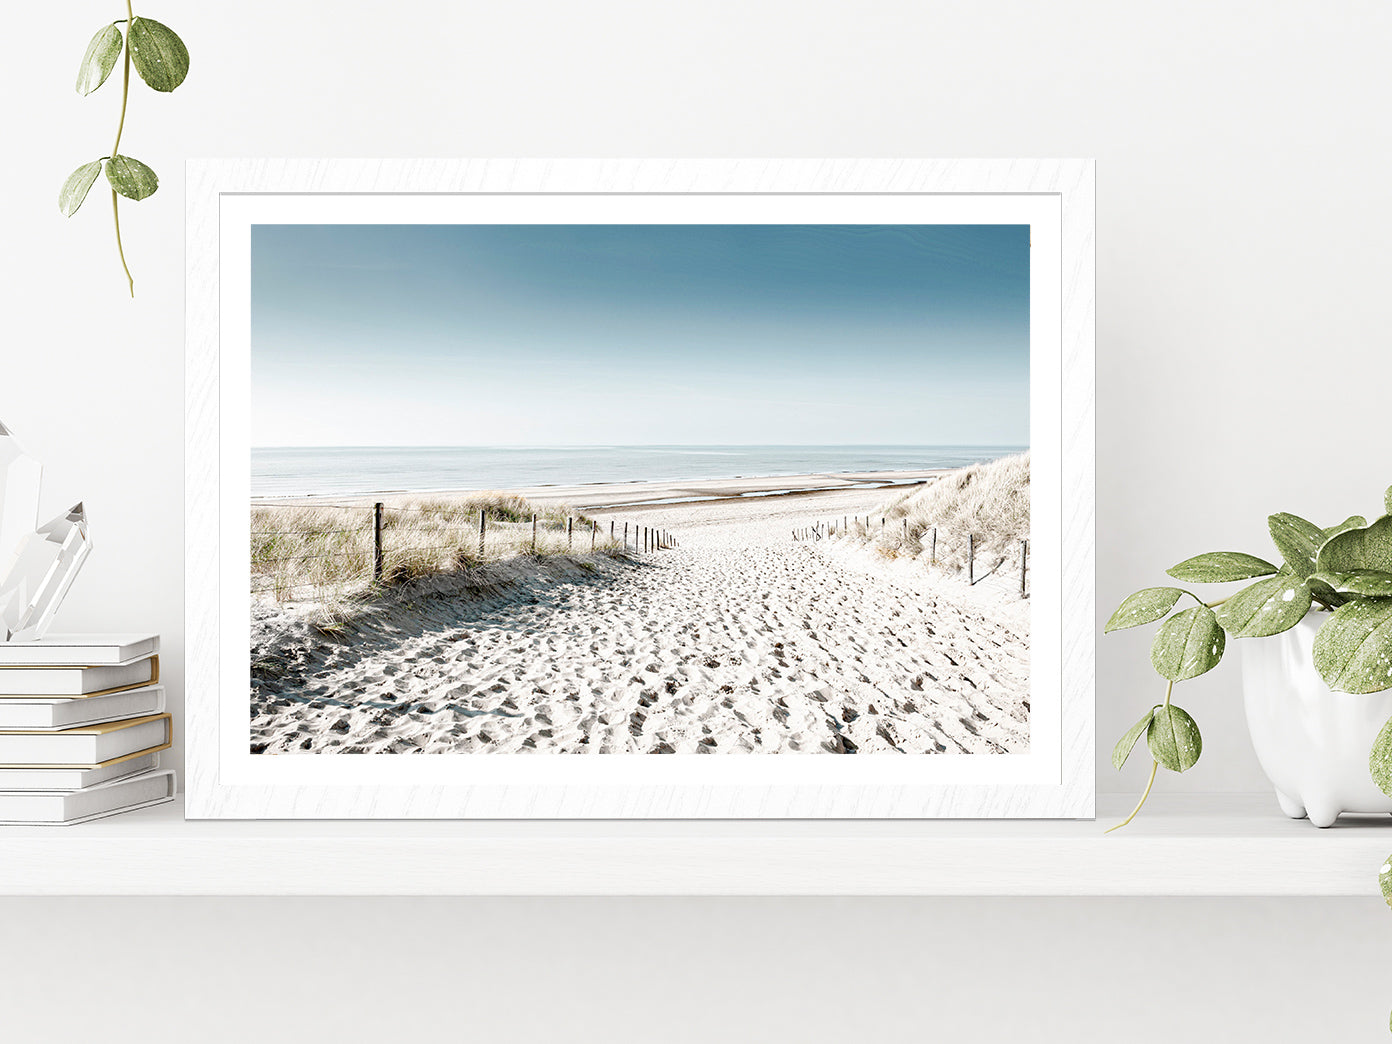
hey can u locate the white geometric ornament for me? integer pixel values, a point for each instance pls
(20, 475)
(44, 569)
(37, 566)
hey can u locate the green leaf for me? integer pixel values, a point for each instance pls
(1122, 750)
(1188, 644)
(1267, 607)
(1366, 583)
(1321, 590)
(1368, 547)
(1143, 607)
(1218, 567)
(1353, 650)
(1380, 765)
(1385, 878)
(1298, 541)
(1173, 738)
(159, 55)
(99, 60)
(130, 177)
(1352, 522)
(1387, 500)
(75, 189)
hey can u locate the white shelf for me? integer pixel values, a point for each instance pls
(1229, 845)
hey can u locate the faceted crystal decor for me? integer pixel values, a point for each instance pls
(19, 496)
(44, 568)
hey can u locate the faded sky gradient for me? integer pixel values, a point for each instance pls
(555, 335)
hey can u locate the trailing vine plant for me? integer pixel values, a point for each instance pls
(162, 61)
(1345, 571)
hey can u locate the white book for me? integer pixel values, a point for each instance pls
(46, 778)
(45, 714)
(77, 681)
(87, 746)
(79, 650)
(65, 807)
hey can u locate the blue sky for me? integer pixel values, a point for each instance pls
(442, 335)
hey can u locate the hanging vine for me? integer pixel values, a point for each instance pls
(162, 61)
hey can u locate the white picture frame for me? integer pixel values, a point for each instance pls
(1056, 779)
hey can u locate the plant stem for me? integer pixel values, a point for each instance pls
(1154, 767)
(1206, 605)
(116, 216)
(120, 127)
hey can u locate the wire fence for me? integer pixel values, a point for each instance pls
(863, 526)
(295, 549)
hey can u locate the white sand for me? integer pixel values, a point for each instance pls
(740, 640)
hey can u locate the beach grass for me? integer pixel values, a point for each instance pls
(327, 554)
(985, 505)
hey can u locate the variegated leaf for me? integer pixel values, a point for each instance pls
(1188, 644)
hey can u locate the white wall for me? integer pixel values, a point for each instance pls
(1242, 261)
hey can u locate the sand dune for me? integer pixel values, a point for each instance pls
(740, 640)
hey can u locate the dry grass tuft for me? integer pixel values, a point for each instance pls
(325, 554)
(990, 502)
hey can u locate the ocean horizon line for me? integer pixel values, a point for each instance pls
(335, 470)
(646, 445)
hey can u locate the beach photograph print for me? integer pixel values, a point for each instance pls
(640, 489)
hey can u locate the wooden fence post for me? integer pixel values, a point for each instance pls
(534, 543)
(594, 532)
(1024, 558)
(482, 524)
(933, 555)
(377, 541)
(971, 560)
(611, 531)
(570, 531)
(625, 536)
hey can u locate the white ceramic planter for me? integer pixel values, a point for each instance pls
(1312, 742)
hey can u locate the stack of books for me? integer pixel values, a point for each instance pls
(82, 724)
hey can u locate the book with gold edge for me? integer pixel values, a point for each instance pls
(52, 713)
(77, 681)
(89, 745)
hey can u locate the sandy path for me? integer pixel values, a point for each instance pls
(738, 641)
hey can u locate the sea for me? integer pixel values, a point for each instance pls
(337, 470)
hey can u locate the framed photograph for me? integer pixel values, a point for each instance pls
(652, 489)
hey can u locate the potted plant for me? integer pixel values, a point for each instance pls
(1318, 692)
